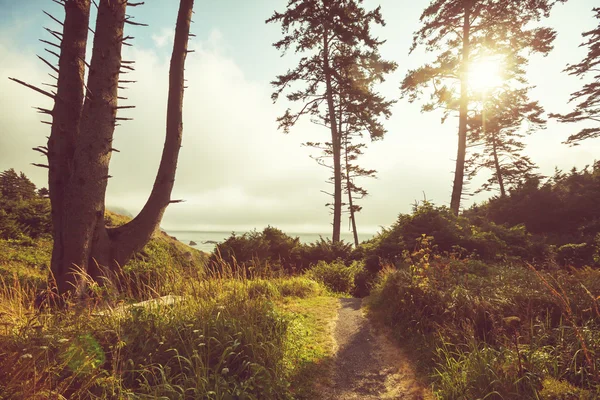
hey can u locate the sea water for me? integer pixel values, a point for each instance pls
(205, 241)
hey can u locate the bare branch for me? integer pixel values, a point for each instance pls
(32, 87)
(54, 19)
(41, 165)
(48, 63)
(50, 43)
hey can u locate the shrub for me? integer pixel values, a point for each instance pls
(336, 276)
(576, 254)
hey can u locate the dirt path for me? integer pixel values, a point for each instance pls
(367, 366)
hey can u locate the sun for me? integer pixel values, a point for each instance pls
(485, 74)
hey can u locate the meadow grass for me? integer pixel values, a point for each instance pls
(231, 336)
(496, 331)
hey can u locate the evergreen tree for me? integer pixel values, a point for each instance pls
(588, 108)
(79, 149)
(460, 32)
(334, 37)
(16, 186)
(495, 139)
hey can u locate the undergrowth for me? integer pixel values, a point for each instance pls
(225, 337)
(495, 331)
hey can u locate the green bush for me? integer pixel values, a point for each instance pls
(576, 254)
(336, 275)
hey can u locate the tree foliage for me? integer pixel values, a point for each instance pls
(588, 97)
(334, 78)
(459, 32)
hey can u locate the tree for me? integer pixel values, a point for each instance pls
(79, 148)
(15, 186)
(588, 108)
(497, 130)
(333, 36)
(460, 31)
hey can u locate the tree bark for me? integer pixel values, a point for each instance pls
(335, 143)
(497, 166)
(350, 202)
(132, 237)
(66, 116)
(80, 146)
(459, 172)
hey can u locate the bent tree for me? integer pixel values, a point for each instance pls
(332, 36)
(79, 148)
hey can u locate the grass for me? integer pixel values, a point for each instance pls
(313, 345)
(232, 336)
(496, 331)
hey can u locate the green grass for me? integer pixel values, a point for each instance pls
(496, 331)
(310, 353)
(228, 338)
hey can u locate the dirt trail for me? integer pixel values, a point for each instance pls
(367, 366)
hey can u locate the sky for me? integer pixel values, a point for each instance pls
(236, 170)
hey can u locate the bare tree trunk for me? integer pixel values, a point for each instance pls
(459, 172)
(80, 144)
(132, 237)
(497, 166)
(66, 116)
(350, 203)
(335, 143)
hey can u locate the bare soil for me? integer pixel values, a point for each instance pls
(367, 365)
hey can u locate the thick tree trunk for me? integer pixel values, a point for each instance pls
(66, 116)
(497, 166)
(459, 172)
(79, 159)
(335, 143)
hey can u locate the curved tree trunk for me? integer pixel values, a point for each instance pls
(459, 172)
(80, 145)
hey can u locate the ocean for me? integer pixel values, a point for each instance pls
(201, 238)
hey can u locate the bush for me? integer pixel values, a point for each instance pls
(576, 254)
(336, 276)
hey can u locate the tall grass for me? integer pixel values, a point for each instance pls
(227, 338)
(496, 331)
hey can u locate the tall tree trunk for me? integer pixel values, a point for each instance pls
(497, 166)
(80, 145)
(335, 143)
(66, 116)
(350, 202)
(132, 237)
(459, 172)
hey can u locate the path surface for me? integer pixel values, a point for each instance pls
(367, 366)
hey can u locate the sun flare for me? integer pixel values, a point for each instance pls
(485, 74)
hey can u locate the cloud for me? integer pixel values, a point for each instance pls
(165, 37)
(236, 170)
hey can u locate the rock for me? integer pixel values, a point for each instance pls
(192, 243)
(210, 242)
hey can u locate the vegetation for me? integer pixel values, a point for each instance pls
(587, 109)
(84, 118)
(501, 301)
(338, 70)
(495, 330)
(462, 33)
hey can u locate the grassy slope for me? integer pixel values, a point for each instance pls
(258, 338)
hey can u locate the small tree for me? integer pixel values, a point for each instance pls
(333, 36)
(80, 144)
(588, 108)
(495, 138)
